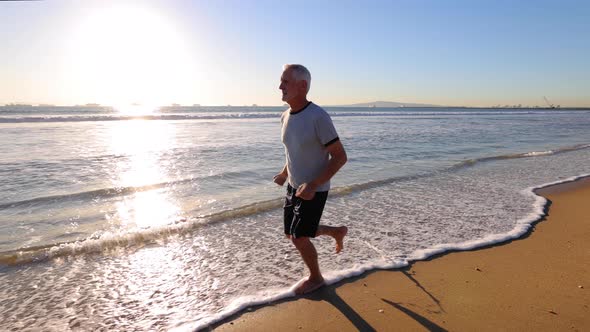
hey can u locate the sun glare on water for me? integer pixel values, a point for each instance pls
(143, 142)
(121, 55)
(136, 110)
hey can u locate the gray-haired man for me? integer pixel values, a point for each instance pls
(314, 154)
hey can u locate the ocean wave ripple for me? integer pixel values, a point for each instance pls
(99, 242)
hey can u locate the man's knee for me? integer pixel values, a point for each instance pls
(300, 241)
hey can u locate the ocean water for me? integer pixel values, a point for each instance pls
(170, 220)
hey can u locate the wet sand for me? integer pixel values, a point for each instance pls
(538, 282)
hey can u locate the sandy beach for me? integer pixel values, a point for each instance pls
(538, 282)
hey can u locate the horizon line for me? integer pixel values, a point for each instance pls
(359, 105)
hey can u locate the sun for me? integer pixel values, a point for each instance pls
(123, 55)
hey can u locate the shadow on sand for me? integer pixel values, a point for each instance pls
(419, 285)
(428, 324)
(328, 294)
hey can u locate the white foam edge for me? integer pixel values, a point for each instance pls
(269, 296)
(522, 227)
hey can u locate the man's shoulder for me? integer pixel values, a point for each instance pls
(315, 110)
(318, 112)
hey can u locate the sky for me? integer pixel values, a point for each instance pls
(454, 53)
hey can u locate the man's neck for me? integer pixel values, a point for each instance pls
(297, 105)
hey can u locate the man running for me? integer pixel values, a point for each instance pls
(314, 154)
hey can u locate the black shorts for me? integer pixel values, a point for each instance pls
(301, 217)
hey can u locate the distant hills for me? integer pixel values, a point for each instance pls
(388, 104)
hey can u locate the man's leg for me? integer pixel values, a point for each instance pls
(310, 258)
(338, 233)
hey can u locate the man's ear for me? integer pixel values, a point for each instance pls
(303, 85)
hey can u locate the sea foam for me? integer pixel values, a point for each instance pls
(522, 227)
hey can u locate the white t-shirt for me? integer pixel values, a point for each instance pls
(306, 134)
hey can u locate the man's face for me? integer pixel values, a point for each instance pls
(290, 88)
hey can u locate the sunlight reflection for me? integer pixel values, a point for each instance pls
(142, 145)
(152, 277)
(135, 109)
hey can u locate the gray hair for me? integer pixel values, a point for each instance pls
(300, 73)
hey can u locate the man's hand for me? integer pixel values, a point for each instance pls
(280, 179)
(306, 191)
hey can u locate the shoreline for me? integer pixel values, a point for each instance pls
(459, 289)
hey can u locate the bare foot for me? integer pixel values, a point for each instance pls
(342, 231)
(309, 286)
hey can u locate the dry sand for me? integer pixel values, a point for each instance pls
(540, 282)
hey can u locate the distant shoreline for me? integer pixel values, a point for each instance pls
(25, 106)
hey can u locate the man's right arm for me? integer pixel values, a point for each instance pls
(281, 177)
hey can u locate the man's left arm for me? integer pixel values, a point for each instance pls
(337, 159)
